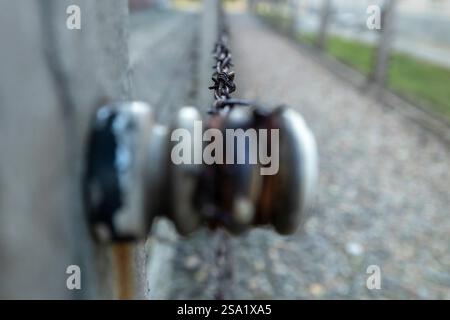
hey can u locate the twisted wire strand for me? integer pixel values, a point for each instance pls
(223, 86)
(223, 77)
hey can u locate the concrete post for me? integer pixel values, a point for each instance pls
(382, 56)
(51, 82)
(324, 22)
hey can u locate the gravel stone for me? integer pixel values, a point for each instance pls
(383, 196)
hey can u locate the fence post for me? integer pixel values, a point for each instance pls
(252, 4)
(52, 80)
(382, 55)
(294, 4)
(325, 15)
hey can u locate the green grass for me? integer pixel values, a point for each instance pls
(356, 54)
(420, 81)
(276, 16)
(307, 37)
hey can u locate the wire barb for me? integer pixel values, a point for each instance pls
(223, 77)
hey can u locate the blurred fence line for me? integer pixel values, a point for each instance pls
(424, 22)
(413, 41)
(318, 19)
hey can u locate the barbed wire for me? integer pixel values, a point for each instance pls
(223, 86)
(223, 76)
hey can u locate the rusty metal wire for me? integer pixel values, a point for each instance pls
(223, 76)
(223, 86)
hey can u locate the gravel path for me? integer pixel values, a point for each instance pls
(163, 51)
(384, 194)
(162, 59)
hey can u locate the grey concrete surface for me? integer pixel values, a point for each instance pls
(164, 54)
(52, 80)
(383, 194)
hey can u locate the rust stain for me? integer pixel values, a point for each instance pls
(124, 271)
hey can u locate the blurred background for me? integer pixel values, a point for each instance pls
(378, 102)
